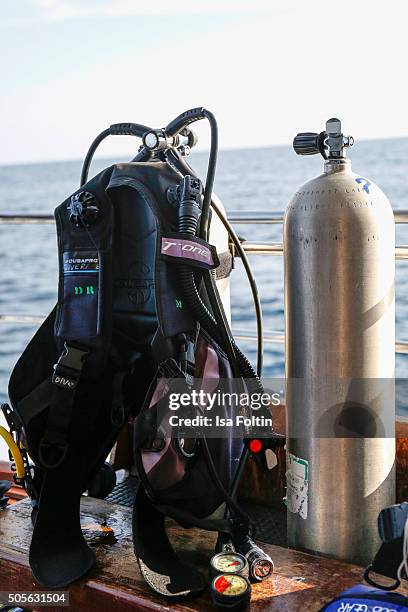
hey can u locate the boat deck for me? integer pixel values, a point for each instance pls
(300, 582)
(270, 522)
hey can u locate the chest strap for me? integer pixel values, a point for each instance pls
(67, 372)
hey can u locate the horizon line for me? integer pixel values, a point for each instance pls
(200, 150)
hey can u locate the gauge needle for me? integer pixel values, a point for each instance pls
(234, 563)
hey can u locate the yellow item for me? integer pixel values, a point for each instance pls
(15, 451)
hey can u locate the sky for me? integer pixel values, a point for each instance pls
(266, 68)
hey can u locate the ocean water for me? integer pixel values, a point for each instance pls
(246, 180)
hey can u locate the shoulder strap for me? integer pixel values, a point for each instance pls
(83, 323)
(152, 181)
(84, 311)
(53, 445)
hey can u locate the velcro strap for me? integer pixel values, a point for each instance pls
(189, 250)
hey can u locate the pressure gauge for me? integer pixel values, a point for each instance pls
(229, 562)
(231, 591)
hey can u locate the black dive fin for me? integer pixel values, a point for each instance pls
(162, 569)
(59, 553)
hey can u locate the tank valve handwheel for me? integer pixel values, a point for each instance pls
(331, 143)
(306, 143)
(230, 592)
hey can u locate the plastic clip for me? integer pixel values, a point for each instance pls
(67, 370)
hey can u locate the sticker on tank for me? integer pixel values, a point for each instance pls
(297, 477)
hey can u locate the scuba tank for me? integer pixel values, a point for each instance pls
(139, 316)
(339, 255)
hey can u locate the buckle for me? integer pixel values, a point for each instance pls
(67, 370)
(169, 369)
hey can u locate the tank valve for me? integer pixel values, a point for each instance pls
(331, 143)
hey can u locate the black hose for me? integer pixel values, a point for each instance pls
(216, 323)
(209, 182)
(207, 320)
(117, 129)
(188, 223)
(188, 220)
(176, 159)
(228, 498)
(189, 215)
(224, 334)
(90, 154)
(254, 289)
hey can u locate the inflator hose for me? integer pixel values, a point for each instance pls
(188, 224)
(14, 450)
(185, 168)
(188, 220)
(207, 320)
(215, 325)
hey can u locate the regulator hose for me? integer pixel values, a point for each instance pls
(215, 325)
(179, 163)
(188, 219)
(117, 129)
(207, 320)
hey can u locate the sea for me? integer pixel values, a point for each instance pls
(247, 180)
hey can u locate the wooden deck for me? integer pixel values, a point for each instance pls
(300, 582)
(257, 485)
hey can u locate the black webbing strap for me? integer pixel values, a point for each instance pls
(67, 371)
(386, 563)
(224, 525)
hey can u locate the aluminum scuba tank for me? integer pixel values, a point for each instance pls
(339, 252)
